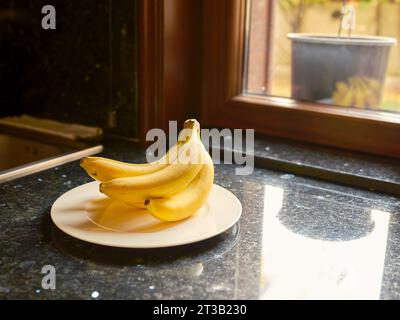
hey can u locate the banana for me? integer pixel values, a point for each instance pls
(103, 169)
(186, 203)
(371, 92)
(361, 92)
(341, 89)
(171, 189)
(162, 183)
(347, 99)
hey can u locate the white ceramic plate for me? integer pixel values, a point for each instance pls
(88, 215)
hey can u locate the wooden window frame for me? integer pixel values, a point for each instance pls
(225, 105)
(169, 62)
(205, 48)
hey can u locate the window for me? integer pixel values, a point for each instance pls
(216, 61)
(295, 50)
(239, 92)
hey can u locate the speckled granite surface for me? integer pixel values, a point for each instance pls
(355, 169)
(329, 158)
(297, 238)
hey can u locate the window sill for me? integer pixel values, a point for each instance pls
(329, 164)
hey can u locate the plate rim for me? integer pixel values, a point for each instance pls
(128, 246)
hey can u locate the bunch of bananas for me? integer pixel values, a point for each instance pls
(359, 92)
(171, 189)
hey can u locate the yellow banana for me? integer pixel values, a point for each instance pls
(371, 92)
(186, 203)
(339, 94)
(344, 95)
(103, 169)
(347, 99)
(163, 183)
(341, 87)
(359, 94)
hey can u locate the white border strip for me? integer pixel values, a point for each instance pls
(46, 164)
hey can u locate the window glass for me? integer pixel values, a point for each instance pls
(341, 53)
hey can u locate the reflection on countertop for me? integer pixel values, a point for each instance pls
(298, 238)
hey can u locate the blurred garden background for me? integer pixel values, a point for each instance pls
(269, 49)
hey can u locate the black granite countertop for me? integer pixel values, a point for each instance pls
(297, 238)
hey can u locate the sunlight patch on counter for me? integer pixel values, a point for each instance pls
(297, 267)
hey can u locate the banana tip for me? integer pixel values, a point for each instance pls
(191, 123)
